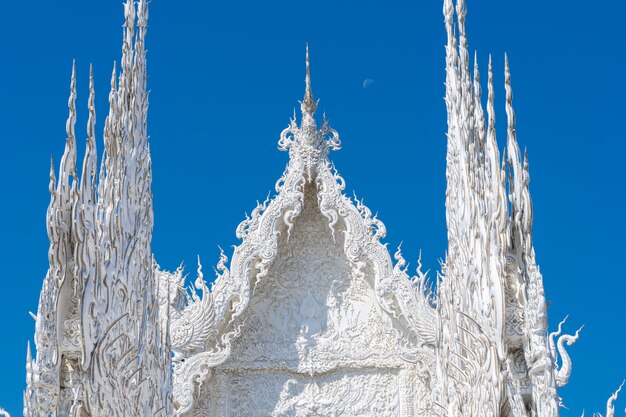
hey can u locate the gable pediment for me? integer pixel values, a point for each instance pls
(311, 313)
(311, 290)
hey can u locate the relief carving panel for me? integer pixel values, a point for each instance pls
(310, 313)
(351, 393)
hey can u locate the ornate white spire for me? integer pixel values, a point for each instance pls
(492, 292)
(308, 145)
(308, 104)
(99, 344)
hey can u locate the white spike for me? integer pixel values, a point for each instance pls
(308, 104)
(68, 160)
(89, 161)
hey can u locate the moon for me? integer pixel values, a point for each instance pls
(368, 82)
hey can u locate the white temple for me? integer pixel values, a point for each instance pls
(312, 316)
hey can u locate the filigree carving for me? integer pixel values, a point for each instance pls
(348, 393)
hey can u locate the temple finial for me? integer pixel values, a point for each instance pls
(308, 104)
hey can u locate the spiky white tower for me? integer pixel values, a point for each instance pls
(100, 348)
(495, 354)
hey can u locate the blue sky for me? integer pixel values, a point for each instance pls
(224, 79)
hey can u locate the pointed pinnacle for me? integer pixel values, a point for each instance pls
(114, 77)
(308, 70)
(90, 76)
(448, 12)
(509, 96)
(308, 104)
(71, 103)
(490, 95)
(477, 88)
(91, 104)
(52, 173)
(68, 161)
(475, 61)
(525, 164)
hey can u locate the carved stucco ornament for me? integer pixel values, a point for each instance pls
(403, 299)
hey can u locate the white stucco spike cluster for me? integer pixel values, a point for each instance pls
(100, 348)
(311, 316)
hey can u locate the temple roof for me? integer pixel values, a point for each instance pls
(406, 299)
